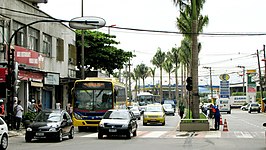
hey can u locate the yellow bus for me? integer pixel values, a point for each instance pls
(92, 97)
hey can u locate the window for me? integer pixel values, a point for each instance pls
(20, 37)
(33, 39)
(47, 45)
(60, 50)
(72, 54)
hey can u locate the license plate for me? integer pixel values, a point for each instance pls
(39, 134)
(112, 130)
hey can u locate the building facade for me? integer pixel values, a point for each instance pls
(45, 54)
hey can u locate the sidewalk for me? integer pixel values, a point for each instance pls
(12, 133)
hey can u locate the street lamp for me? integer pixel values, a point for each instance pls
(243, 67)
(113, 25)
(210, 82)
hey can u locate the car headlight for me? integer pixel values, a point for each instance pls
(52, 129)
(77, 116)
(125, 125)
(101, 124)
(29, 129)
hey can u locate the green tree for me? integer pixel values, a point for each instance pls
(158, 60)
(152, 73)
(143, 72)
(100, 51)
(193, 8)
(168, 67)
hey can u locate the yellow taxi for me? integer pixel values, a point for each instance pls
(154, 114)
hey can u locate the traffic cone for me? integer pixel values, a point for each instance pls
(221, 121)
(225, 126)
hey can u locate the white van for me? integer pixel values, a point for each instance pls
(224, 105)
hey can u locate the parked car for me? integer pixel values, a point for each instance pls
(118, 122)
(50, 124)
(154, 114)
(136, 112)
(3, 134)
(254, 107)
(168, 109)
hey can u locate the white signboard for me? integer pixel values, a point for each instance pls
(51, 79)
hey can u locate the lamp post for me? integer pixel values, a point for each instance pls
(210, 82)
(113, 25)
(243, 67)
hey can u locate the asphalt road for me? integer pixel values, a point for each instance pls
(245, 132)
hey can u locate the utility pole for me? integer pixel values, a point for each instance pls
(243, 79)
(82, 47)
(260, 79)
(129, 80)
(210, 82)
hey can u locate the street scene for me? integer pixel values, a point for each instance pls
(176, 74)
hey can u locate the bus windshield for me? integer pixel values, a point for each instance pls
(93, 99)
(145, 98)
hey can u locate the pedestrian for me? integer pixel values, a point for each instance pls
(181, 110)
(217, 116)
(38, 106)
(2, 109)
(18, 109)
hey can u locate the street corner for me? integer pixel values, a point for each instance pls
(12, 133)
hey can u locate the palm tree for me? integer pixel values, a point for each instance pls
(158, 60)
(175, 60)
(135, 77)
(168, 67)
(152, 73)
(143, 72)
(193, 8)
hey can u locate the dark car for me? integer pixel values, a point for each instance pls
(118, 122)
(50, 124)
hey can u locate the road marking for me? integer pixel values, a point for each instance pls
(153, 134)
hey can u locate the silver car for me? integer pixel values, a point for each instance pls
(253, 107)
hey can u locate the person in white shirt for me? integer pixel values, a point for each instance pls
(18, 113)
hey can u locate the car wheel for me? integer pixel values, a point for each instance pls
(258, 111)
(4, 142)
(28, 138)
(163, 123)
(139, 118)
(71, 133)
(60, 136)
(100, 135)
(135, 133)
(128, 135)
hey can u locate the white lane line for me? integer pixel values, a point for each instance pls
(153, 134)
(213, 134)
(90, 135)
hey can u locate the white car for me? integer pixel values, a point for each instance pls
(136, 112)
(3, 134)
(168, 109)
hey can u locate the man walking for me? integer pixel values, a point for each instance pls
(217, 116)
(18, 109)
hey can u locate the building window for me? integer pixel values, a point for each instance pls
(47, 45)
(72, 54)
(20, 37)
(33, 39)
(60, 50)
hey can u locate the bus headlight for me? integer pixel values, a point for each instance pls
(77, 116)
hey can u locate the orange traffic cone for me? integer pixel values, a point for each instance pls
(225, 126)
(221, 121)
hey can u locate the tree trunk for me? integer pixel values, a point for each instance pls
(169, 85)
(176, 84)
(161, 84)
(194, 65)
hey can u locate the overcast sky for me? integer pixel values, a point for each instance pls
(222, 53)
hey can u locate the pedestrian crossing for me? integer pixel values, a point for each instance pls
(183, 135)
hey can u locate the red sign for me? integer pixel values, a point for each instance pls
(27, 57)
(25, 75)
(3, 72)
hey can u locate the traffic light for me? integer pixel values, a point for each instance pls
(189, 84)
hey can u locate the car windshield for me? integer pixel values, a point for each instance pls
(116, 115)
(254, 104)
(48, 117)
(134, 109)
(167, 106)
(154, 109)
(168, 102)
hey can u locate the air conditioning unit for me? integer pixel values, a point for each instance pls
(71, 61)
